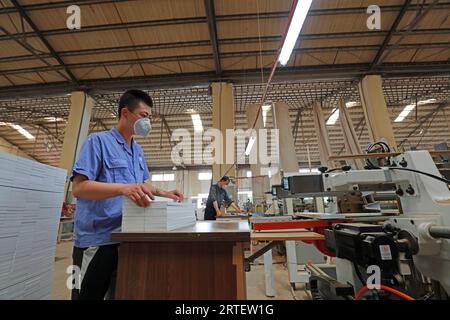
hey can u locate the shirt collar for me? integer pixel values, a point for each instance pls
(120, 139)
(116, 134)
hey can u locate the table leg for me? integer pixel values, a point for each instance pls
(291, 257)
(268, 273)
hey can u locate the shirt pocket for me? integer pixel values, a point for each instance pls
(118, 170)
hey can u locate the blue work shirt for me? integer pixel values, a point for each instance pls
(105, 157)
(218, 194)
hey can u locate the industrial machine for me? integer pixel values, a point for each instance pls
(407, 254)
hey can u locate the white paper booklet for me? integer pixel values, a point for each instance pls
(159, 216)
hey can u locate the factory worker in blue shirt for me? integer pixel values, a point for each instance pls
(110, 166)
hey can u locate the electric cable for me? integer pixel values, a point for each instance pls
(386, 288)
(423, 173)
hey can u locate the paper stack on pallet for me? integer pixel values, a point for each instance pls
(31, 197)
(159, 216)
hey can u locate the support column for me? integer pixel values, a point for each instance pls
(268, 274)
(77, 130)
(260, 184)
(351, 140)
(282, 121)
(223, 119)
(375, 110)
(288, 162)
(322, 136)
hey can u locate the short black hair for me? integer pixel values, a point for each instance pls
(225, 178)
(131, 99)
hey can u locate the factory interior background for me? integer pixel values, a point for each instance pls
(363, 76)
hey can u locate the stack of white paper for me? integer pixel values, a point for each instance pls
(31, 197)
(159, 216)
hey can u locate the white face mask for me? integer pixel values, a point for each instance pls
(143, 127)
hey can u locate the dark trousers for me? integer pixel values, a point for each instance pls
(210, 213)
(98, 267)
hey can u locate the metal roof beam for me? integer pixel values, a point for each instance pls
(322, 72)
(391, 33)
(419, 17)
(64, 4)
(212, 29)
(30, 49)
(43, 39)
(422, 121)
(57, 5)
(224, 55)
(200, 43)
(221, 18)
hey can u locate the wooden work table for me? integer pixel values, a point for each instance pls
(203, 261)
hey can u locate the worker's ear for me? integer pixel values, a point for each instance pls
(124, 112)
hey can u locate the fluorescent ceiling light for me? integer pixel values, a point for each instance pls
(334, 117)
(427, 101)
(265, 111)
(250, 144)
(197, 122)
(22, 131)
(405, 112)
(351, 104)
(53, 119)
(410, 107)
(300, 13)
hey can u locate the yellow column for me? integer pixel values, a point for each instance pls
(77, 130)
(351, 140)
(288, 161)
(223, 119)
(260, 184)
(322, 136)
(375, 110)
(282, 122)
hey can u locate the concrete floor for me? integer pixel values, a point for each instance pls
(255, 278)
(63, 259)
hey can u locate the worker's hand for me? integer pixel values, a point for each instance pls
(140, 194)
(175, 195)
(239, 210)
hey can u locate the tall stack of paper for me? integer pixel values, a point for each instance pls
(159, 216)
(31, 197)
